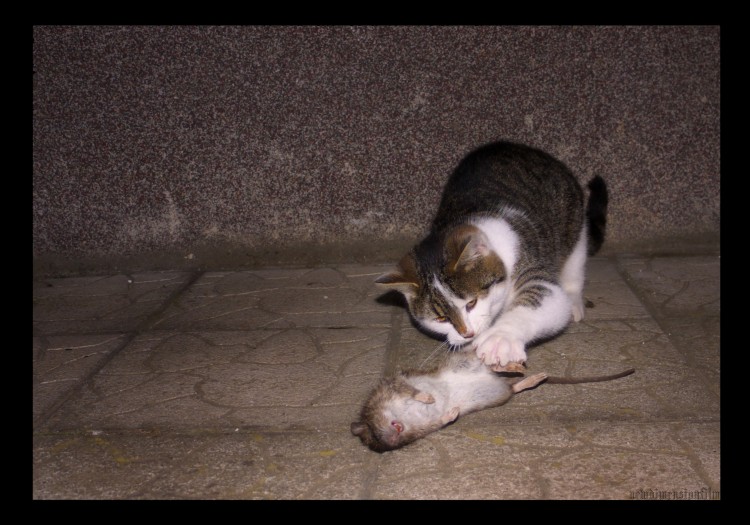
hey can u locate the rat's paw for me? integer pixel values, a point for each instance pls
(501, 349)
(450, 416)
(516, 368)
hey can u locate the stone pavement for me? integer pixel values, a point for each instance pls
(242, 384)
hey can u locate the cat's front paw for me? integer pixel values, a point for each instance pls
(501, 349)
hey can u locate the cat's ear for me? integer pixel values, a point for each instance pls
(466, 245)
(403, 278)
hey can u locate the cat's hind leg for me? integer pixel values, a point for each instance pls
(573, 275)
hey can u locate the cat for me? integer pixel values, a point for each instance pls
(503, 264)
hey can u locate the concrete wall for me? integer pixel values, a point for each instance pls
(243, 145)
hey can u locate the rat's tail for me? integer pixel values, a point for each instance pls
(595, 379)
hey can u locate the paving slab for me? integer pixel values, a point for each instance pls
(203, 465)
(275, 379)
(276, 299)
(117, 303)
(677, 285)
(61, 363)
(242, 385)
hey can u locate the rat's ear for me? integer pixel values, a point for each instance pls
(424, 397)
(358, 428)
(403, 278)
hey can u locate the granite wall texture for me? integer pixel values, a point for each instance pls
(262, 143)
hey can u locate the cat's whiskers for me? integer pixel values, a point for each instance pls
(437, 348)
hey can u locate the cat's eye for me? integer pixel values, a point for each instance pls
(489, 284)
(471, 304)
(441, 319)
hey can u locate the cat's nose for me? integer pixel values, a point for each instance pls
(468, 334)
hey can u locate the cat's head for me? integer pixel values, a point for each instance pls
(455, 284)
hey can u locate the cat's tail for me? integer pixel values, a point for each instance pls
(596, 213)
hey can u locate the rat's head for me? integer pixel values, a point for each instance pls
(381, 437)
(381, 424)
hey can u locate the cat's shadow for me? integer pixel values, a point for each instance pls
(392, 298)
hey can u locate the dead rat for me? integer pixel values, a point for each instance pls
(415, 403)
